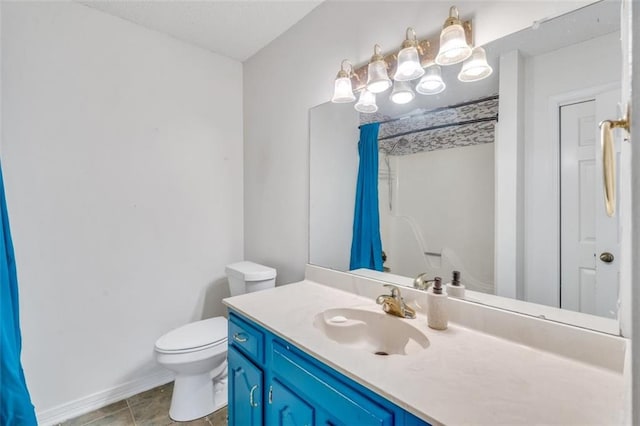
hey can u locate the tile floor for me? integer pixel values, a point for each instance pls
(150, 408)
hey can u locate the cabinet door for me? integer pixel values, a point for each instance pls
(336, 403)
(287, 409)
(245, 390)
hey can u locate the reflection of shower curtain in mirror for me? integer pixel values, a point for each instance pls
(15, 403)
(366, 247)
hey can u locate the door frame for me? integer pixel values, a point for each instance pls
(551, 150)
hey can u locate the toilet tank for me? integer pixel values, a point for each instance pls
(247, 277)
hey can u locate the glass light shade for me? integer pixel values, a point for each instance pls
(453, 46)
(409, 67)
(342, 91)
(431, 83)
(367, 102)
(476, 67)
(378, 80)
(402, 93)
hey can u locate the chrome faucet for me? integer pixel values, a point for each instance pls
(421, 283)
(393, 303)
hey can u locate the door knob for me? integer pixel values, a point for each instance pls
(606, 257)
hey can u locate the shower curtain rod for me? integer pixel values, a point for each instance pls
(442, 126)
(404, 117)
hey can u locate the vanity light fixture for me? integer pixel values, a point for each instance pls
(431, 83)
(402, 92)
(343, 90)
(407, 64)
(453, 43)
(378, 79)
(409, 67)
(476, 67)
(367, 102)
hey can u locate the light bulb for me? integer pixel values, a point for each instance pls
(377, 78)
(409, 67)
(342, 88)
(342, 91)
(431, 83)
(453, 42)
(476, 67)
(366, 103)
(402, 93)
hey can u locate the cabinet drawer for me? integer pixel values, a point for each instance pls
(248, 339)
(325, 392)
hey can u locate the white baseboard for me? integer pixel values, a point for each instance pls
(103, 398)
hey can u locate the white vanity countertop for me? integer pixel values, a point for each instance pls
(463, 377)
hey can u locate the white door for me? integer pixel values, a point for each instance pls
(589, 253)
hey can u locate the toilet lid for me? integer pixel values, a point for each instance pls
(194, 335)
(249, 271)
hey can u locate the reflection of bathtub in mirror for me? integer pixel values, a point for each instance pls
(408, 255)
(462, 209)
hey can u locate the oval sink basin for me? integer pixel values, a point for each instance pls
(374, 332)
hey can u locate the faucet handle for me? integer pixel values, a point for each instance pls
(395, 291)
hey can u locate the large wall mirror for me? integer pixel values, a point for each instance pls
(500, 179)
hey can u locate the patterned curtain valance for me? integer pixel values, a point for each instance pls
(469, 123)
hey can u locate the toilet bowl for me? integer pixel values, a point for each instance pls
(197, 352)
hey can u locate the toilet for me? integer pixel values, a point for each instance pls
(197, 352)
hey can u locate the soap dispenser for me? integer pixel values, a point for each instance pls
(455, 288)
(437, 315)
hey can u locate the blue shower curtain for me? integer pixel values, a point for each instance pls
(366, 246)
(15, 402)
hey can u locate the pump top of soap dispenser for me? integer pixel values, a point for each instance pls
(437, 285)
(456, 278)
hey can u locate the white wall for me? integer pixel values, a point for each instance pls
(122, 154)
(563, 73)
(296, 71)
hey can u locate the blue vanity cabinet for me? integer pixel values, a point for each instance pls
(336, 402)
(285, 408)
(274, 383)
(245, 373)
(245, 390)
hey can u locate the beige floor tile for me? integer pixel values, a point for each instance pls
(119, 418)
(163, 392)
(154, 412)
(150, 408)
(97, 414)
(219, 418)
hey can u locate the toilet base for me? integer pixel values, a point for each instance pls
(195, 396)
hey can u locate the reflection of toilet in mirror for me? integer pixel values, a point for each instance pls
(197, 352)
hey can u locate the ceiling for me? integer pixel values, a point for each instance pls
(236, 29)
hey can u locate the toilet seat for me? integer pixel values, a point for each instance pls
(196, 336)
